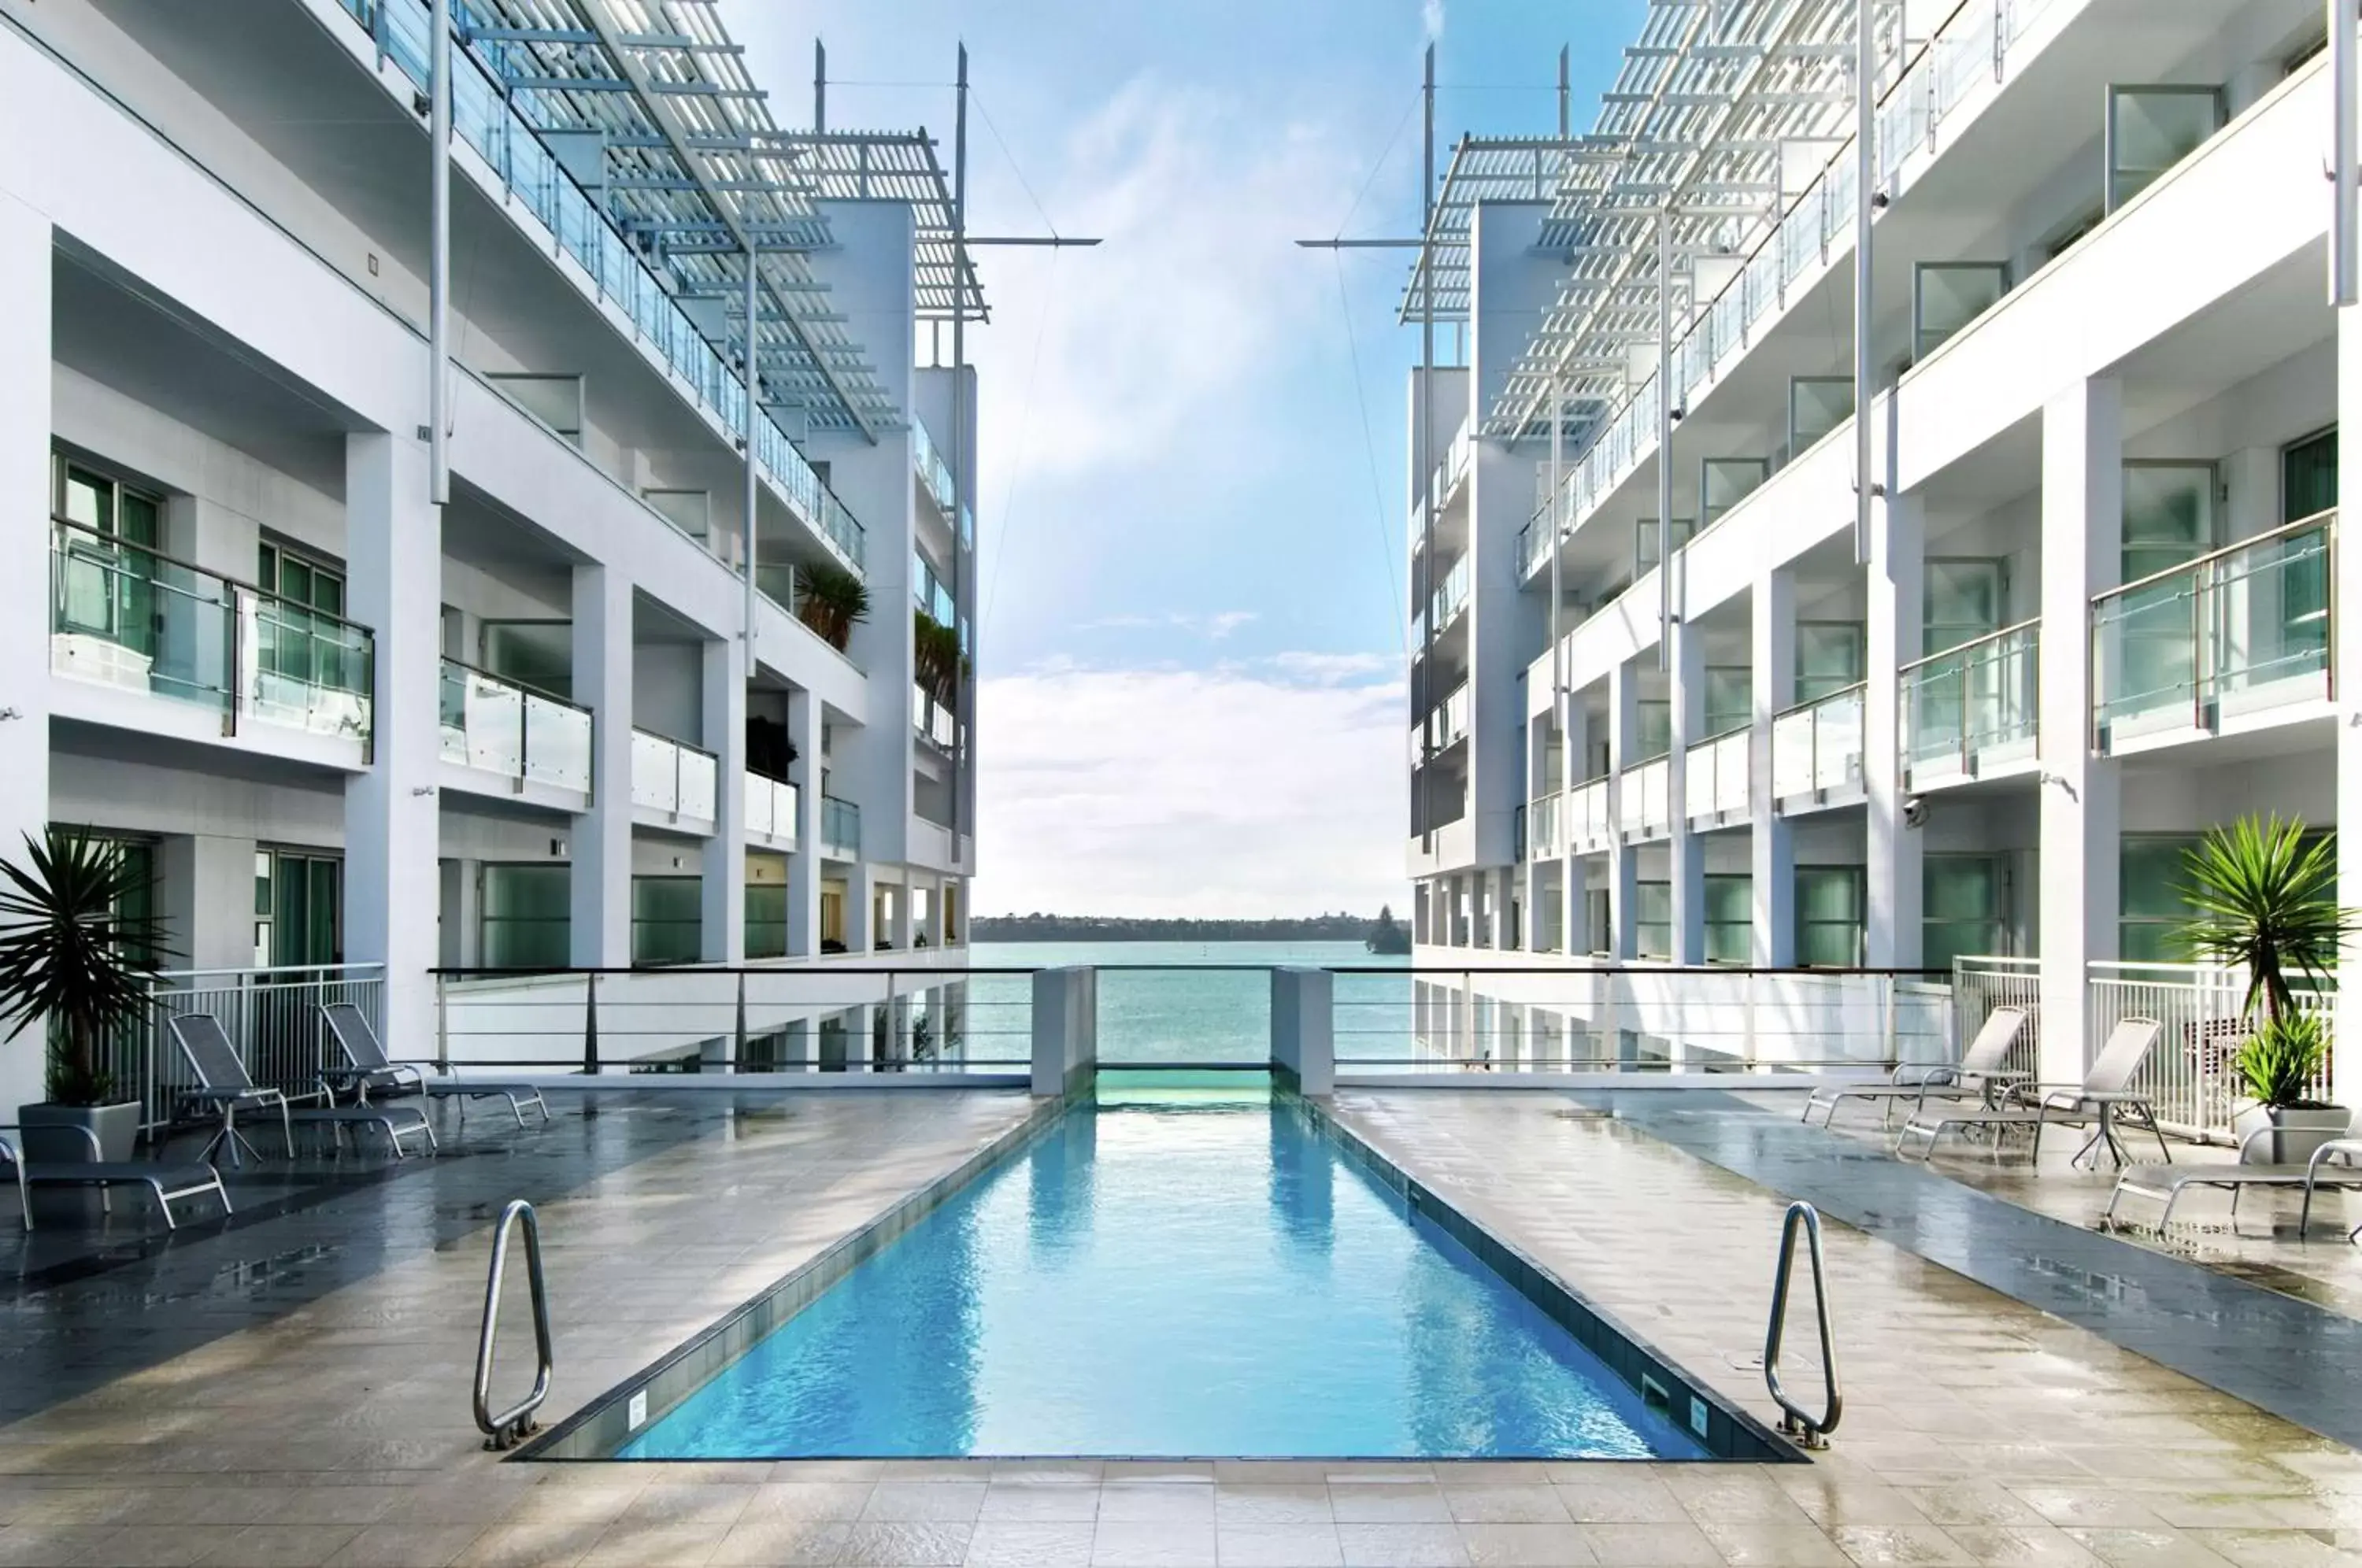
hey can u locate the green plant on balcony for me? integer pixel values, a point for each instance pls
(832, 601)
(935, 657)
(76, 954)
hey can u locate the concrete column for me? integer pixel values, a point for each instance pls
(1687, 664)
(722, 871)
(1574, 725)
(208, 887)
(1898, 591)
(1303, 1029)
(1623, 859)
(803, 866)
(860, 902)
(393, 557)
(1066, 1031)
(1771, 847)
(601, 884)
(2082, 554)
(462, 912)
(2347, 657)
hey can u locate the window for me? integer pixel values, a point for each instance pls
(1831, 931)
(538, 654)
(1830, 657)
(297, 628)
(1599, 922)
(2308, 476)
(1729, 919)
(109, 577)
(2169, 521)
(1724, 482)
(526, 920)
(1652, 920)
(1948, 295)
(1964, 908)
(1653, 733)
(767, 920)
(1644, 540)
(668, 920)
(1816, 405)
(1730, 699)
(298, 908)
(2151, 129)
(2149, 905)
(1964, 600)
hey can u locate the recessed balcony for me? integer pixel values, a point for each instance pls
(770, 811)
(518, 741)
(126, 619)
(673, 784)
(840, 828)
(1970, 712)
(1716, 777)
(1817, 750)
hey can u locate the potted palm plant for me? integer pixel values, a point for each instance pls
(2264, 899)
(77, 957)
(831, 601)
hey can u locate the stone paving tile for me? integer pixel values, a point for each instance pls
(1278, 1546)
(1010, 1543)
(1416, 1545)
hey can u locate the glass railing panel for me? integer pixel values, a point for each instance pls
(310, 671)
(701, 783)
(756, 798)
(124, 616)
(557, 743)
(484, 722)
(655, 772)
(784, 804)
(1542, 827)
(839, 824)
(1837, 741)
(1972, 702)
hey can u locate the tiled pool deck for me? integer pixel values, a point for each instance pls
(294, 1388)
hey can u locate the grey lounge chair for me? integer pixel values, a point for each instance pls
(225, 1085)
(2170, 1182)
(2103, 1096)
(370, 1072)
(167, 1182)
(1979, 1076)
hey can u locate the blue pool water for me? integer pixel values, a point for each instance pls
(1169, 1280)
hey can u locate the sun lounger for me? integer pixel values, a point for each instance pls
(370, 1072)
(1979, 1076)
(224, 1084)
(2103, 1097)
(169, 1183)
(2332, 1166)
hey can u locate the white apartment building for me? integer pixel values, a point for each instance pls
(2097, 605)
(566, 715)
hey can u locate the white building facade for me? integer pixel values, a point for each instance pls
(589, 710)
(2097, 608)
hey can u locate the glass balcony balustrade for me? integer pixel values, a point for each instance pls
(1541, 828)
(935, 475)
(1444, 605)
(840, 826)
(1715, 775)
(1447, 725)
(770, 807)
(1971, 707)
(131, 617)
(2237, 632)
(1816, 746)
(668, 776)
(1589, 822)
(498, 726)
(1644, 799)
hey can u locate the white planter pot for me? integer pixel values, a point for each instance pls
(2301, 1132)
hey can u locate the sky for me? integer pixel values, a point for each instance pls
(1191, 516)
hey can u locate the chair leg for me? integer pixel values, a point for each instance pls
(163, 1203)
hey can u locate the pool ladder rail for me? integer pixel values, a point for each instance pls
(1795, 1421)
(507, 1428)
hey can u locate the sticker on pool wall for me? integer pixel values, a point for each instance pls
(635, 1414)
(1697, 1415)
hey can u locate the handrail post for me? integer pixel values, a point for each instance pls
(590, 1025)
(1795, 1421)
(502, 1432)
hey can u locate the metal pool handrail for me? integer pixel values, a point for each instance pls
(503, 1431)
(1795, 1421)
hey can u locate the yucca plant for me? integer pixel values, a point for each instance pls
(70, 958)
(2263, 898)
(935, 656)
(832, 601)
(2281, 1061)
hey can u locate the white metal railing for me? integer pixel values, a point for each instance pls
(2243, 629)
(271, 1015)
(498, 726)
(2189, 1075)
(1966, 61)
(1715, 775)
(1541, 828)
(1644, 799)
(1816, 746)
(1974, 705)
(669, 777)
(770, 807)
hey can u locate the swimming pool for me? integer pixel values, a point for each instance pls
(1169, 1280)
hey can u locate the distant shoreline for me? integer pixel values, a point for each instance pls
(1382, 933)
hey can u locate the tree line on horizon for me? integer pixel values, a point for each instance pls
(1041, 927)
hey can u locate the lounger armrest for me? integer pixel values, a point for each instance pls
(2347, 1149)
(2115, 1097)
(14, 1154)
(423, 1069)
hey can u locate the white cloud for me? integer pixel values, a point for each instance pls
(1191, 792)
(1431, 16)
(1213, 627)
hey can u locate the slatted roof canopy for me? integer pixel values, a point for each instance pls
(899, 166)
(689, 164)
(1711, 102)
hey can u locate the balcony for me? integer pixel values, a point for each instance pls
(129, 618)
(1716, 777)
(1444, 605)
(936, 478)
(497, 727)
(1816, 749)
(840, 828)
(2229, 641)
(1644, 804)
(1970, 710)
(1541, 828)
(1451, 468)
(934, 721)
(770, 810)
(931, 597)
(673, 785)
(1447, 725)
(1589, 822)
